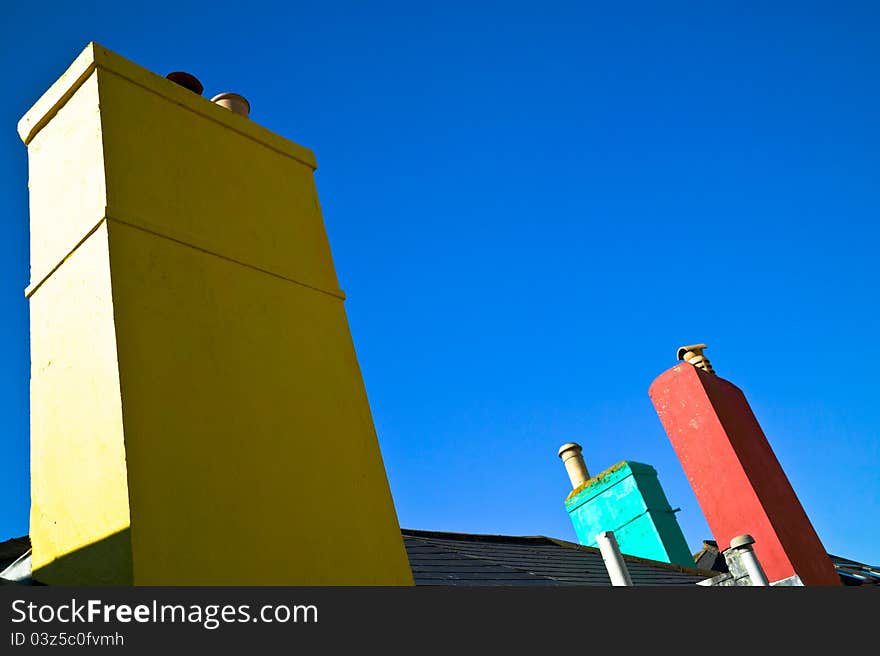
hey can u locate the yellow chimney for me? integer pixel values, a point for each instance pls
(198, 416)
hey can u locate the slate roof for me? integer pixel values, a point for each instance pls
(463, 559)
(854, 573)
(10, 550)
(851, 572)
(460, 559)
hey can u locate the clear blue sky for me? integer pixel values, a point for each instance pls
(531, 206)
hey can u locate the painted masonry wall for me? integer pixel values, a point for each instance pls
(195, 391)
(628, 500)
(736, 477)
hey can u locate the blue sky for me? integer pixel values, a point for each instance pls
(531, 206)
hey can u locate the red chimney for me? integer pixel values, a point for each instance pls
(735, 475)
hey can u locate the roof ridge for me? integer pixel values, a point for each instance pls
(477, 537)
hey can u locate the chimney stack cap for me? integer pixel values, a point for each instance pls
(742, 541)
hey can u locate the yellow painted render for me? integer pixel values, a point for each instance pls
(245, 451)
(182, 174)
(66, 177)
(79, 489)
(266, 455)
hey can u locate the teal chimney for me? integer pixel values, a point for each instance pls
(628, 500)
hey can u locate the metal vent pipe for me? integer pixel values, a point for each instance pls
(614, 562)
(743, 545)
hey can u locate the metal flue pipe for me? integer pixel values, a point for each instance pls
(743, 545)
(614, 562)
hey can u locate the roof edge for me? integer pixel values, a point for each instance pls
(476, 537)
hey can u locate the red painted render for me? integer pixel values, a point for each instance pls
(736, 477)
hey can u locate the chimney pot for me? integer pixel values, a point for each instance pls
(187, 81)
(693, 354)
(233, 102)
(573, 459)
